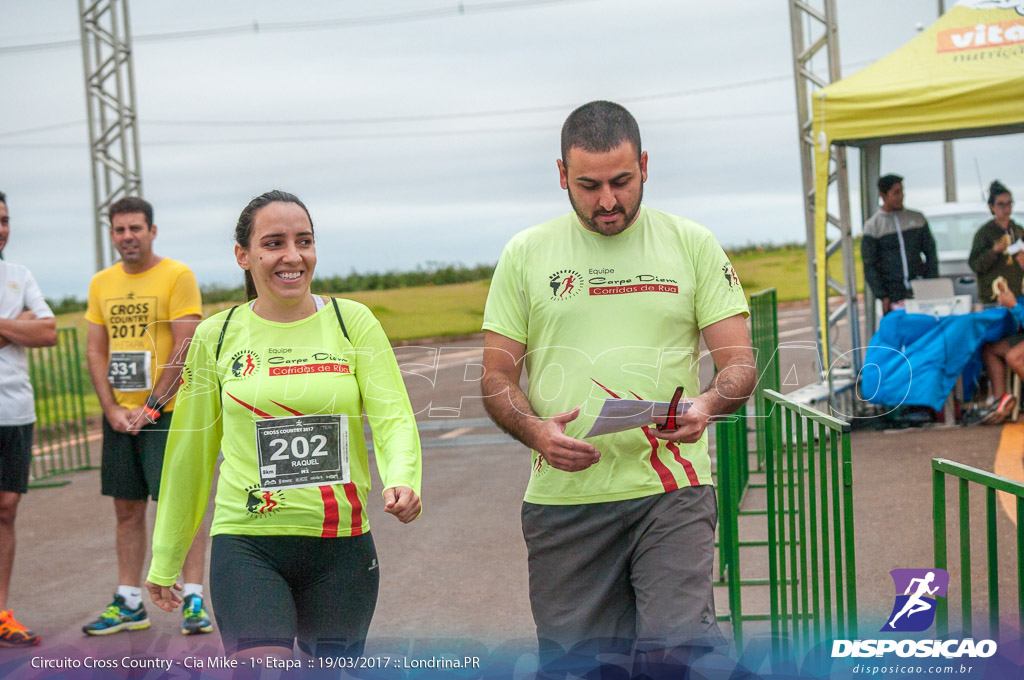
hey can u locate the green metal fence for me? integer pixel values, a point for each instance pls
(812, 565)
(732, 453)
(991, 483)
(734, 462)
(764, 335)
(59, 386)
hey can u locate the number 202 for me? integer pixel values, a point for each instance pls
(300, 447)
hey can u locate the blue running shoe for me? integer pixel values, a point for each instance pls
(196, 619)
(118, 617)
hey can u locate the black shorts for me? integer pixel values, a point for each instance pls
(1014, 339)
(15, 457)
(267, 591)
(132, 463)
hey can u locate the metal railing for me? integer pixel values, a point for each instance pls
(764, 335)
(734, 462)
(812, 563)
(731, 453)
(991, 483)
(60, 430)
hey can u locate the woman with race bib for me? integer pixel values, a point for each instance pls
(280, 385)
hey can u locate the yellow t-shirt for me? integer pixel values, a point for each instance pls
(137, 311)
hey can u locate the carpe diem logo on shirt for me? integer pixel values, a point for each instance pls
(185, 381)
(565, 284)
(245, 364)
(730, 275)
(260, 503)
(917, 592)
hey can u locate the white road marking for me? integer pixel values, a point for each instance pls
(458, 432)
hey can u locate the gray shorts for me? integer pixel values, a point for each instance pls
(638, 570)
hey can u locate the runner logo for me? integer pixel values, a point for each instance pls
(245, 364)
(260, 503)
(564, 283)
(730, 275)
(917, 591)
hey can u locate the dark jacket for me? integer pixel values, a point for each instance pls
(880, 251)
(990, 265)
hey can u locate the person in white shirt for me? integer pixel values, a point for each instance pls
(25, 321)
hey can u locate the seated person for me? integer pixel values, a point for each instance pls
(998, 355)
(988, 258)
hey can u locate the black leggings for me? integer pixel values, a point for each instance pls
(268, 590)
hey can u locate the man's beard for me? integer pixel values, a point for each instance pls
(593, 224)
(131, 257)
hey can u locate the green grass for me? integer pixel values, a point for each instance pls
(785, 269)
(427, 311)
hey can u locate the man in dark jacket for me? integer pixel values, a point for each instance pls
(897, 248)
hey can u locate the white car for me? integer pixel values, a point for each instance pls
(953, 225)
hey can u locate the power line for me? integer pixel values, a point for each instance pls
(256, 27)
(42, 128)
(418, 118)
(389, 135)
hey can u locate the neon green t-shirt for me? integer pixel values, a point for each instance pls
(284, 403)
(613, 317)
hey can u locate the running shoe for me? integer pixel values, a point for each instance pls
(975, 415)
(118, 617)
(1002, 410)
(13, 634)
(196, 619)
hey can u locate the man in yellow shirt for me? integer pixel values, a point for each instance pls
(142, 313)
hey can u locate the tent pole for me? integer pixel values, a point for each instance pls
(870, 168)
(948, 165)
(949, 170)
(849, 263)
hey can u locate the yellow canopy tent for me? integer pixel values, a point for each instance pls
(961, 77)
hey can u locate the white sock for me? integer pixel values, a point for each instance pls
(132, 596)
(192, 589)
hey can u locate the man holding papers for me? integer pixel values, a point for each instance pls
(610, 302)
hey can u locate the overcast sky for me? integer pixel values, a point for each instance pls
(425, 136)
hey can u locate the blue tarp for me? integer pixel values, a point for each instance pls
(915, 359)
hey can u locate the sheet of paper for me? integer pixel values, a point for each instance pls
(619, 415)
(1015, 248)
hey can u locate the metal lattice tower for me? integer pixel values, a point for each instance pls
(814, 32)
(110, 103)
